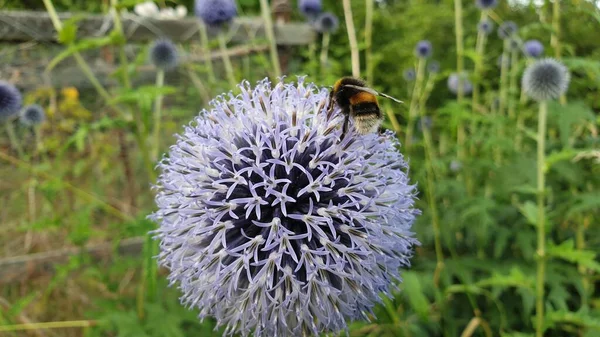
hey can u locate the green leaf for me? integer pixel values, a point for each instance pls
(143, 93)
(586, 202)
(529, 210)
(68, 33)
(515, 278)
(417, 299)
(84, 44)
(574, 318)
(567, 251)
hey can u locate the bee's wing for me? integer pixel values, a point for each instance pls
(371, 91)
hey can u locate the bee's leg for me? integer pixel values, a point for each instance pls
(330, 104)
(345, 126)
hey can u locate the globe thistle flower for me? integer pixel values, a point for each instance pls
(270, 223)
(453, 80)
(310, 8)
(433, 67)
(533, 48)
(507, 29)
(423, 49)
(546, 79)
(163, 54)
(455, 165)
(326, 23)
(215, 13)
(486, 27)
(409, 75)
(32, 115)
(10, 100)
(486, 4)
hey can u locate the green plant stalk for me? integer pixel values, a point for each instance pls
(47, 325)
(352, 38)
(324, 53)
(206, 48)
(14, 141)
(512, 89)
(541, 217)
(264, 8)
(160, 81)
(580, 245)
(555, 37)
(122, 55)
(504, 77)
(414, 100)
(197, 83)
(458, 26)
(480, 50)
(369, 66)
(226, 60)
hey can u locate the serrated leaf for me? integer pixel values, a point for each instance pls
(575, 318)
(529, 211)
(567, 251)
(584, 203)
(515, 278)
(525, 189)
(68, 32)
(84, 44)
(515, 334)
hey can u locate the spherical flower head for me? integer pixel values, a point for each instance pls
(455, 165)
(423, 49)
(546, 79)
(310, 8)
(326, 23)
(215, 12)
(486, 27)
(32, 115)
(163, 54)
(453, 83)
(486, 4)
(507, 29)
(274, 224)
(533, 48)
(433, 67)
(409, 74)
(10, 100)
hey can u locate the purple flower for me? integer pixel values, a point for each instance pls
(546, 79)
(310, 8)
(486, 27)
(423, 49)
(10, 100)
(533, 48)
(453, 81)
(32, 115)
(433, 67)
(409, 74)
(163, 54)
(272, 224)
(326, 23)
(215, 12)
(486, 4)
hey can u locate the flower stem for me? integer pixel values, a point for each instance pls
(160, 81)
(48, 325)
(369, 40)
(324, 52)
(14, 141)
(206, 49)
(459, 46)
(414, 100)
(541, 216)
(122, 55)
(264, 7)
(504, 77)
(480, 50)
(352, 38)
(226, 60)
(512, 89)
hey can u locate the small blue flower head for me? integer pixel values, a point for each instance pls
(515, 43)
(433, 67)
(10, 100)
(453, 83)
(424, 49)
(546, 79)
(486, 4)
(274, 224)
(409, 74)
(326, 22)
(533, 48)
(507, 29)
(310, 8)
(163, 54)
(455, 165)
(486, 27)
(32, 115)
(215, 13)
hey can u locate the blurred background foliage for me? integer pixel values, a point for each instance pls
(87, 182)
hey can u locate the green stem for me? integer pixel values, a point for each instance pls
(14, 141)
(122, 55)
(264, 7)
(480, 50)
(512, 91)
(504, 77)
(412, 110)
(580, 245)
(369, 40)
(324, 53)
(206, 49)
(160, 81)
(354, 53)
(459, 46)
(47, 325)
(226, 60)
(541, 216)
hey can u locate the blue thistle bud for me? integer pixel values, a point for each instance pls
(486, 4)
(424, 49)
(546, 79)
(310, 8)
(163, 54)
(32, 115)
(215, 13)
(515, 43)
(433, 67)
(486, 27)
(533, 48)
(409, 75)
(455, 165)
(326, 23)
(453, 81)
(507, 29)
(10, 100)
(272, 224)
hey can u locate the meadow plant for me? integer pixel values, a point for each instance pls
(533, 48)
(273, 223)
(10, 104)
(433, 67)
(32, 115)
(424, 49)
(409, 75)
(486, 4)
(310, 8)
(326, 23)
(486, 27)
(453, 83)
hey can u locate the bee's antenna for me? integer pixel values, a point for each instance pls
(371, 91)
(392, 98)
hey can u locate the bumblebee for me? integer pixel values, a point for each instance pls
(359, 102)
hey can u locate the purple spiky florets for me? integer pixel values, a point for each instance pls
(271, 223)
(423, 49)
(486, 4)
(10, 100)
(163, 54)
(409, 75)
(32, 115)
(310, 8)
(486, 27)
(533, 48)
(326, 22)
(215, 12)
(546, 79)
